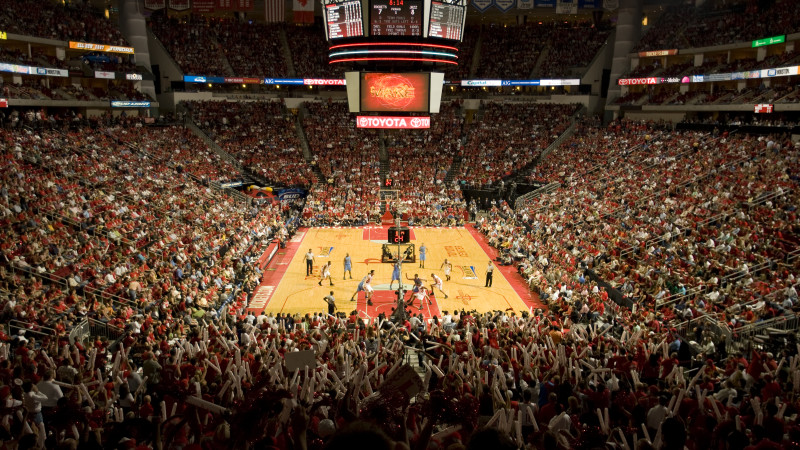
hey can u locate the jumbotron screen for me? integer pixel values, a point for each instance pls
(344, 20)
(394, 92)
(395, 18)
(447, 21)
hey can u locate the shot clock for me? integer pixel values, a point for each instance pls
(399, 235)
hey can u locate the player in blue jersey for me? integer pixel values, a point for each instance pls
(348, 266)
(395, 276)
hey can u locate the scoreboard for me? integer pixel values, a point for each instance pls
(388, 20)
(396, 18)
(446, 21)
(344, 20)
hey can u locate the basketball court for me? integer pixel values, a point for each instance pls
(286, 288)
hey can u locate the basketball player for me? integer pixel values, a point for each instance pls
(447, 268)
(365, 286)
(422, 251)
(437, 283)
(417, 282)
(325, 272)
(395, 276)
(348, 266)
(421, 295)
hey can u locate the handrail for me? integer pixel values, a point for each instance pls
(520, 201)
(30, 328)
(62, 280)
(79, 332)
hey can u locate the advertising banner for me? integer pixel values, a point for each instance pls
(14, 68)
(652, 53)
(545, 3)
(129, 104)
(590, 4)
(763, 108)
(224, 5)
(395, 123)
(104, 75)
(636, 81)
(100, 47)
(408, 92)
(482, 5)
(779, 72)
(49, 72)
(155, 4)
(769, 41)
(241, 80)
(480, 83)
(282, 81)
(324, 82)
(133, 76)
(291, 194)
(524, 4)
(567, 82)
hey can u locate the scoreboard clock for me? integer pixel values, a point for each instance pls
(395, 18)
(399, 235)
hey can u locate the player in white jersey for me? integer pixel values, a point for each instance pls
(420, 296)
(438, 283)
(447, 268)
(366, 286)
(325, 272)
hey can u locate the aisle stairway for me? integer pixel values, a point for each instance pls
(287, 54)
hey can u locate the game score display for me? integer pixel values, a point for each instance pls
(354, 19)
(447, 21)
(395, 18)
(344, 20)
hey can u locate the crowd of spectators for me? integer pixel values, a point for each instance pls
(112, 221)
(115, 218)
(261, 135)
(41, 88)
(508, 137)
(511, 52)
(306, 44)
(216, 46)
(419, 162)
(720, 22)
(348, 160)
(682, 224)
(65, 21)
(565, 54)
(192, 43)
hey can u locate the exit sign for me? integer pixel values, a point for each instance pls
(769, 41)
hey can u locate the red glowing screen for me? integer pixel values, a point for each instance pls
(408, 92)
